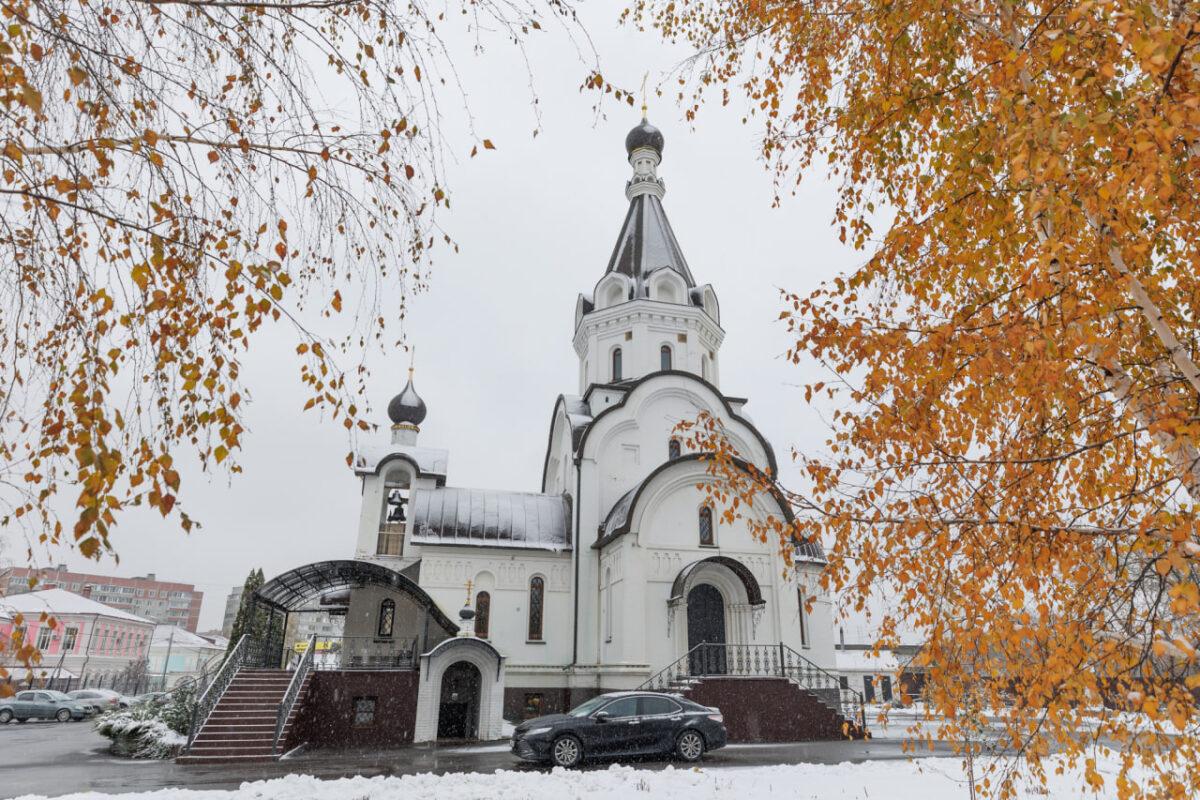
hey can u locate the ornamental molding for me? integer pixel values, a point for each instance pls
(453, 573)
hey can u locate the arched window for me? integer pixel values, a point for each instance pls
(673, 449)
(664, 357)
(803, 617)
(387, 617)
(483, 614)
(537, 598)
(706, 527)
(616, 365)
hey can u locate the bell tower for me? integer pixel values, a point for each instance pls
(646, 314)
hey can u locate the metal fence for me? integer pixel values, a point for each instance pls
(358, 652)
(125, 684)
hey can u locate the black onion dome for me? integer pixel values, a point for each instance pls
(466, 613)
(407, 406)
(644, 135)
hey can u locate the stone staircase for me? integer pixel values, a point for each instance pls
(241, 727)
(768, 693)
(770, 709)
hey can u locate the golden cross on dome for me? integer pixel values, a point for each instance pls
(469, 585)
(645, 77)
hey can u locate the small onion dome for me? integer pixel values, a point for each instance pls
(466, 614)
(644, 135)
(407, 406)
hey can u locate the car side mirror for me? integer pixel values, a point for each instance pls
(601, 716)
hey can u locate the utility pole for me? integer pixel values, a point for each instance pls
(167, 660)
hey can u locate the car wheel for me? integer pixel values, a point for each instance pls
(689, 746)
(63, 715)
(566, 751)
(6, 716)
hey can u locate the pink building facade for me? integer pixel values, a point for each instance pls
(90, 642)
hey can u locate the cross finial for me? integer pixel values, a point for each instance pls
(644, 109)
(412, 359)
(469, 587)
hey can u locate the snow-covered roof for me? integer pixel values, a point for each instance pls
(180, 637)
(20, 673)
(428, 460)
(864, 661)
(60, 602)
(482, 517)
(646, 243)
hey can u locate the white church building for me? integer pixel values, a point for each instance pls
(614, 573)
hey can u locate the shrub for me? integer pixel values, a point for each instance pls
(155, 729)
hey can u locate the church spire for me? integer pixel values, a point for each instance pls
(646, 242)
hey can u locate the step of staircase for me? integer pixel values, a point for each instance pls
(241, 727)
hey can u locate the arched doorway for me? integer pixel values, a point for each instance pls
(458, 710)
(706, 630)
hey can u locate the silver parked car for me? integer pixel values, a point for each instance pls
(40, 704)
(100, 700)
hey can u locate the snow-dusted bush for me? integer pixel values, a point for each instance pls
(150, 730)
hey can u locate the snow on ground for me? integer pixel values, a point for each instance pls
(925, 779)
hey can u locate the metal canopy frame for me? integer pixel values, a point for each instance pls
(292, 590)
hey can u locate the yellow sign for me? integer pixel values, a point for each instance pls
(322, 646)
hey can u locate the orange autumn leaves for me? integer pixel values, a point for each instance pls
(174, 178)
(1010, 376)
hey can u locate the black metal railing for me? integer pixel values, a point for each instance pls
(362, 652)
(760, 661)
(293, 691)
(245, 648)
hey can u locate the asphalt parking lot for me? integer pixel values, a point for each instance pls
(48, 758)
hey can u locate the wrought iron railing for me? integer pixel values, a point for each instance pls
(363, 652)
(207, 701)
(293, 691)
(760, 661)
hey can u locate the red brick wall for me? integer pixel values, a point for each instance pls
(767, 710)
(327, 716)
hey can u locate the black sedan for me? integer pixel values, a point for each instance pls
(622, 724)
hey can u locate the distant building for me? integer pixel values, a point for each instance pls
(232, 603)
(179, 654)
(307, 623)
(91, 642)
(164, 602)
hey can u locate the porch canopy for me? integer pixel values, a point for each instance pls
(295, 589)
(740, 571)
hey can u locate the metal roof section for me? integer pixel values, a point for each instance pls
(429, 461)
(295, 589)
(647, 243)
(482, 517)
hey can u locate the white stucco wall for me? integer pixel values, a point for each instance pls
(491, 689)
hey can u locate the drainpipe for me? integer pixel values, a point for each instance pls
(578, 556)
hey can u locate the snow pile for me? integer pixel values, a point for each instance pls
(927, 779)
(140, 738)
(155, 729)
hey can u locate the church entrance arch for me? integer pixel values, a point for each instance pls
(706, 630)
(458, 709)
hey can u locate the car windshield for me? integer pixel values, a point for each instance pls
(584, 709)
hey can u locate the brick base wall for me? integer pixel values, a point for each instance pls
(554, 700)
(768, 710)
(327, 716)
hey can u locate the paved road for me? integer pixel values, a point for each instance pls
(53, 759)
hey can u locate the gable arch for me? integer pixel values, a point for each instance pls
(613, 289)
(698, 394)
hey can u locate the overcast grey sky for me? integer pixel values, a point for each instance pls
(536, 220)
